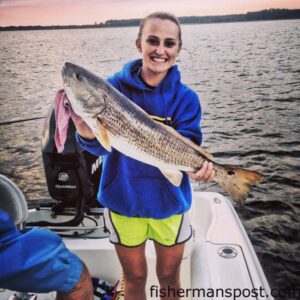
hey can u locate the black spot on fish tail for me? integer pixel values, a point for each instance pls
(237, 187)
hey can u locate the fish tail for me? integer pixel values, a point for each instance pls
(237, 182)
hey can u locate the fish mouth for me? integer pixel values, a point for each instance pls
(68, 71)
(64, 73)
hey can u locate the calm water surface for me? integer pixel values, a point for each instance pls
(247, 76)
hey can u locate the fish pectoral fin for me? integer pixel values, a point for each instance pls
(102, 136)
(173, 176)
(187, 141)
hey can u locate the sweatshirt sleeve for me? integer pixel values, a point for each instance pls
(188, 116)
(35, 260)
(92, 146)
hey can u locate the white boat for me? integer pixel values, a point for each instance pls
(219, 260)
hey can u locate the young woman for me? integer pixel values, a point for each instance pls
(140, 202)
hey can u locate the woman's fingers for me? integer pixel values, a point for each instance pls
(206, 173)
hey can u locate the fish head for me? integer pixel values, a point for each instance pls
(87, 93)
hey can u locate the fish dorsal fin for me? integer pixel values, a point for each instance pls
(102, 136)
(173, 176)
(188, 142)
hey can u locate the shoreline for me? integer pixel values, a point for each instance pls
(264, 15)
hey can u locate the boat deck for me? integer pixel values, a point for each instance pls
(219, 259)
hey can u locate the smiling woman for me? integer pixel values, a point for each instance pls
(159, 42)
(153, 83)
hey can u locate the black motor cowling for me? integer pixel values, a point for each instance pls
(72, 176)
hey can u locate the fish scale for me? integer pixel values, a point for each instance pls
(160, 144)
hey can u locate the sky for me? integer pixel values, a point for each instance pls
(78, 12)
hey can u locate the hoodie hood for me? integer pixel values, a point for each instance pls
(128, 76)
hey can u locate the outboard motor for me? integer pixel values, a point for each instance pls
(72, 176)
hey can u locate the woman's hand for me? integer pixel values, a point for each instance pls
(206, 173)
(82, 128)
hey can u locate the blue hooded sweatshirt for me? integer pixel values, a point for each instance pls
(35, 260)
(130, 187)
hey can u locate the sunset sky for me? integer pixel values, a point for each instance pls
(76, 12)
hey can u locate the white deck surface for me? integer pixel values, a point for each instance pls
(204, 271)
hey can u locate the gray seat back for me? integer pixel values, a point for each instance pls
(12, 200)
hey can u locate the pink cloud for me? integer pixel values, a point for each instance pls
(65, 12)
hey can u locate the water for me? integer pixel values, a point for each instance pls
(247, 75)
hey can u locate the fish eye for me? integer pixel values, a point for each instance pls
(230, 172)
(78, 76)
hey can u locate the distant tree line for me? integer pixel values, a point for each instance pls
(268, 14)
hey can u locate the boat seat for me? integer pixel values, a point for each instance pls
(12, 200)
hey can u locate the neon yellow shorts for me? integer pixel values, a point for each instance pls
(132, 231)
